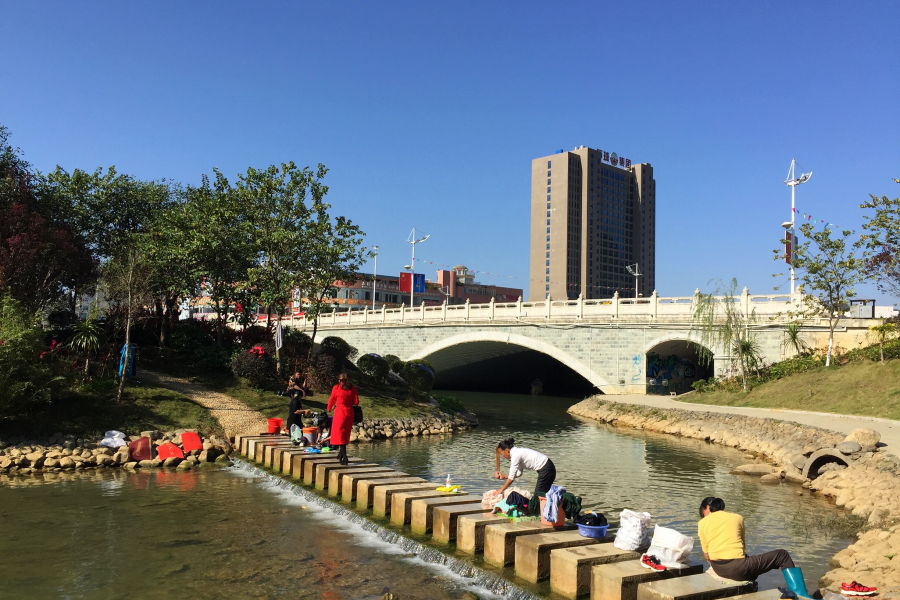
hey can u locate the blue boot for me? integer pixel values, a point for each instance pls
(793, 577)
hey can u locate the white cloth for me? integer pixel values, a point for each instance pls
(634, 530)
(524, 458)
(671, 548)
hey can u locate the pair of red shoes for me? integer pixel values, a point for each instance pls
(857, 589)
(648, 561)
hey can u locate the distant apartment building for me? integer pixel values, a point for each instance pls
(593, 214)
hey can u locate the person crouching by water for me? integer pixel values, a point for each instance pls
(343, 398)
(722, 538)
(521, 459)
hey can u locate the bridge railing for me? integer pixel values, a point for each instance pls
(670, 309)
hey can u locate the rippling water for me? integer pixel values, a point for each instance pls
(228, 533)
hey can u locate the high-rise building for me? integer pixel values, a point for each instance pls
(593, 214)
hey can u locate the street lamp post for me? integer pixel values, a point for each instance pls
(412, 284)
(636, 271)
(374, 275)
(793, 181)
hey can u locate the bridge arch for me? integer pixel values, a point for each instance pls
(522, 342)
(672, 363)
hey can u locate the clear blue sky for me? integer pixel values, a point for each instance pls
(428, 114)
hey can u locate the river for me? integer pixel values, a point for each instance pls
(227, 533)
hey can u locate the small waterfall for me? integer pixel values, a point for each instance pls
(483, 579)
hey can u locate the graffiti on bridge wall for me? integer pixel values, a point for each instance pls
(669, 367)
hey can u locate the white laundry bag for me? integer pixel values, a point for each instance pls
(114, 439)
(634, 530)
(670, 547)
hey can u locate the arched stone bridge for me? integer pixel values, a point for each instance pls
(605, 341)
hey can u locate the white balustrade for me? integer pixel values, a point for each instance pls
(679, 309)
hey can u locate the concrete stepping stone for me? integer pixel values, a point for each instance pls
(421, 518)
(401, 503)
(311, 471)
(383, 495)
(298, 459)
(694, 587)
(619, 581)
(281, 460)
(350, 482)
(446, 518)
(336, 477)
(366, 488)
(570, 568)
(500, 539)
(323, 472)
(533, 551)
(244, 447)
(470, 530)
(265, 457)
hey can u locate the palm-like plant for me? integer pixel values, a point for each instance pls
(87, 339)
(880, 334)
(794, 340)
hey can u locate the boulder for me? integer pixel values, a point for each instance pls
(798, 460)
(223, 459)
(146, 464)
(755, 469)
(849, 447)
(153, 434)
(131, 465)
(172, 462)
(185, 466)
(49, 463)
(66, 462)
(864, 437)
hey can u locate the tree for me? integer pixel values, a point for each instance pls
(125, 279)
(828, 270)
(793, 338)
(880, 334)
(87, 338)
(221, 242)
(882, 241)
(721, 323)
(24, 380)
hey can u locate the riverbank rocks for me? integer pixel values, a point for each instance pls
(853, 470)
(62, 452)
(433, 424)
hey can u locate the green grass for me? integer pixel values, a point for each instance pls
(858, 388)
(90, 409)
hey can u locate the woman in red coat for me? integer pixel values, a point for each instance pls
(343, 399)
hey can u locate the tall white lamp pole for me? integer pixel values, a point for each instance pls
(374, 275)
(412, 284)
(793, 181)
(636, 271)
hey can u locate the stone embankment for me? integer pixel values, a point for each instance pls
(854, 470)
(437, 423)
(69, 453)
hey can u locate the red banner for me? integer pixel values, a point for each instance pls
(405, 282)
(788, 247)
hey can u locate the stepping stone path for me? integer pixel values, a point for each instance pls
(234, 416)
(577, 566)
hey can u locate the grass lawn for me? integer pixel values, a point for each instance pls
(89, 410)
(858, 388)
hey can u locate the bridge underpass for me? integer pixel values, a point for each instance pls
(503, 367)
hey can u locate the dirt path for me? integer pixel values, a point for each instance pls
(234, 416)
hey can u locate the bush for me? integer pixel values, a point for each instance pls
(190, 335)
(324, 371)
(258, 370)
(373, 366)
(419, 377)
(25, 381)
(394, 363)
(254, 335)
(450, 404)
(338, 347)
(873, 352)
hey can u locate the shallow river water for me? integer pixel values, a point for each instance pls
(230, 534)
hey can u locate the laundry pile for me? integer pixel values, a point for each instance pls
(512, 502)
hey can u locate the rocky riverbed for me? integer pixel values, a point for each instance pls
(437, 423)
(854, 470)
(63, 452)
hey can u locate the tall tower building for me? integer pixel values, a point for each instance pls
(593, 214)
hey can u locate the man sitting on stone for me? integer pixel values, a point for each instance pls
(722, 538)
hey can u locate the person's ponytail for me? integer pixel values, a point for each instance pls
(506, 444)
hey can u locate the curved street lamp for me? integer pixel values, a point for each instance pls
(793, 181)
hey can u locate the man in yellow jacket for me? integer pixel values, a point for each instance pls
(722, 538)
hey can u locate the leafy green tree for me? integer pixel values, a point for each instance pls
(87, 339)
(829, 271)
(720, 322)
(221, 243)
(882, 241)
(882, 333)
(25, 381)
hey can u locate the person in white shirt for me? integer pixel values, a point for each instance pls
(521, 459)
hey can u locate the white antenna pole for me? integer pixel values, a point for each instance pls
(374, 276)
(793, 214)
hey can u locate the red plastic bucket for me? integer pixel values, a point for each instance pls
(274, 425)
(560, 514)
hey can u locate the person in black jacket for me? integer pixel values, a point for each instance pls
(295, 409)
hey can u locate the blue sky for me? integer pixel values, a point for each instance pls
(428, 115)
